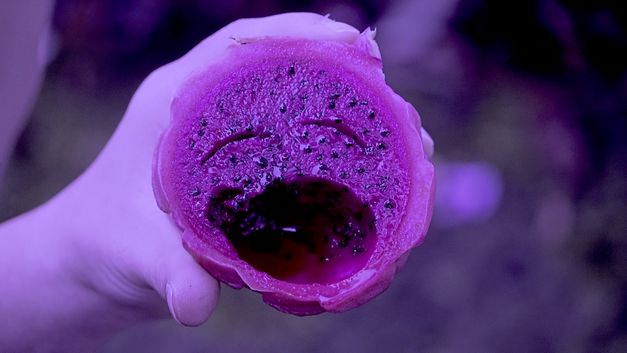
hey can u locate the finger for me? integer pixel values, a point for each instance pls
(298, 25)
(191, 293)
(154, 96)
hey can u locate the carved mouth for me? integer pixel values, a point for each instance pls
(307, 230)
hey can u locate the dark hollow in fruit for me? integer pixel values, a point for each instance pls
(308, 230)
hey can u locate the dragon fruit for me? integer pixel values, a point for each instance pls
(294, 170)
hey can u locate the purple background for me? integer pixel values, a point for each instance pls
(527, 105)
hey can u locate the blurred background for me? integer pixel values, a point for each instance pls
(527, 103)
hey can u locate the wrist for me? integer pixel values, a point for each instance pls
(52, 298)
(38, 292)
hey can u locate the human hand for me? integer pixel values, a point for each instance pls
(102, 244)
(140, 246)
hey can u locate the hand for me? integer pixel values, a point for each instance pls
(100, 255)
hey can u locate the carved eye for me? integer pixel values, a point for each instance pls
(240, 136)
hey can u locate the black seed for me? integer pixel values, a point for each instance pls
(282, 108)
(322, 139)
(385, 133)
(388, 204)
(381, 146)
(191, 143)
(331, 105)
(319, 157)
(338, 121)
(383, 181)
(371, 114)
(195, 192)
(201, 132)
(261, 162)
(324, 167)
(203, 122)
(308, 149)
(291, 71)
(335, 155)
(233, 159)
(352, 102)
(361, 170)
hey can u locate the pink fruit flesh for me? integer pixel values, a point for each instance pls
(295, 171)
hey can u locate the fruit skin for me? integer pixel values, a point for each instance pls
(307, 299)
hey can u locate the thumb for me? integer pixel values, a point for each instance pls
(191, 293)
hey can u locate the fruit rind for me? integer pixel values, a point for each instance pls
(363, 58)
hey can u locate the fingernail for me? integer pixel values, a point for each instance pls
(169, 292)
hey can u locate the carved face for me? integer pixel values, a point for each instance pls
(290, 164)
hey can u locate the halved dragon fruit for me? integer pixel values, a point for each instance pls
(295, 171)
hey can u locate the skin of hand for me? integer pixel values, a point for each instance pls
(100, 256)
